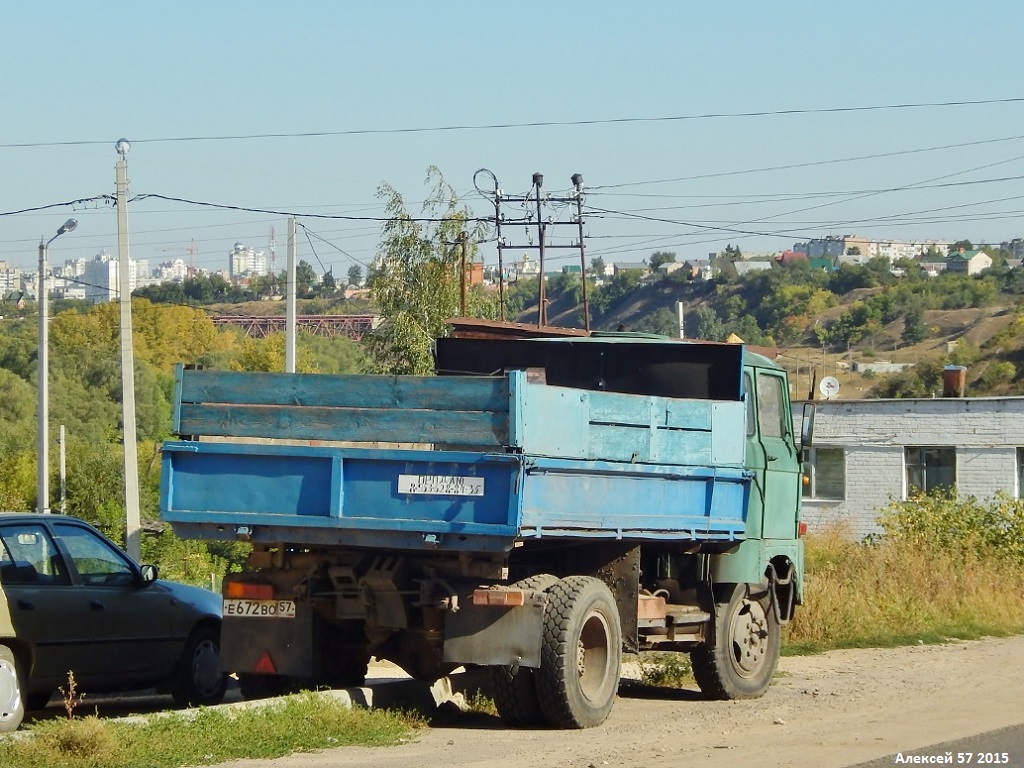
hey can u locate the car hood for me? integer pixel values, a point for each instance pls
(202, 599)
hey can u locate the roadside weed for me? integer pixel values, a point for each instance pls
(666, 670)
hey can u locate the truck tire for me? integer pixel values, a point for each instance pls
(740, 657)
(581, 654)
(514, 689)
(199, 680)
(12, 703)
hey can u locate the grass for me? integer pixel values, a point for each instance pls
(305, 722)
(898, 592)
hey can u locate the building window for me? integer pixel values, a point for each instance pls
(930, 469)
(825, 474)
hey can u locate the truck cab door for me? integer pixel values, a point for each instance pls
(772, 454)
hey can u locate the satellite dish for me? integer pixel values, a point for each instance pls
(829, 387)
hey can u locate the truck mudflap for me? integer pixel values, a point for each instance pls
(269, 646)
(483, 628)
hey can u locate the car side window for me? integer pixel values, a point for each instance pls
(29, 556)
(97, 562)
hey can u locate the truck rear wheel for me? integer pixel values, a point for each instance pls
(742, 653)
(515, 692)
(581, 654)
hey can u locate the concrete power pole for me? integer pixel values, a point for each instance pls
(289, 304)
(133, 519)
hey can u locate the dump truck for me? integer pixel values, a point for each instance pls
(539, 507)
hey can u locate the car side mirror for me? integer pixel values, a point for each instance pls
(149, 574)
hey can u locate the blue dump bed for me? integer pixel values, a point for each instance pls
(461, 462)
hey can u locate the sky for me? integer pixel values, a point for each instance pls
(694, 124)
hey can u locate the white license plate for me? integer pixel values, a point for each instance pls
(441, 485)
(260, 609)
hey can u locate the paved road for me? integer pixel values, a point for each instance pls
(1004, 747)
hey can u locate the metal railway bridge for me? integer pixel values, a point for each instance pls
(259, 326)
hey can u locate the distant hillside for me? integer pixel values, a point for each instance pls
(988, 340)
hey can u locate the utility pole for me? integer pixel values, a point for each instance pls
(43, 358)
(500, 240)
(534, 198)
(63, 471)
(542, 301)
(289, 303)
(462, 270)
(577, 185)
(133, 518)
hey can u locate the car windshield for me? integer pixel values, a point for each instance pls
(95, 560)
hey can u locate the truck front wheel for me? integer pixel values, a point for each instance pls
(581, 654)
(740, 657)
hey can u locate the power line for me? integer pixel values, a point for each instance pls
(535, 124)
(290, 214)
(809, 164)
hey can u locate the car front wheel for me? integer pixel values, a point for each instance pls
(200, 681)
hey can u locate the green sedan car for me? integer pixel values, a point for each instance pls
(73, 602)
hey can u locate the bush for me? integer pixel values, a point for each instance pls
(666, 670)
(965, 527)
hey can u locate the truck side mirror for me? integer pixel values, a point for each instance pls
(807, 426)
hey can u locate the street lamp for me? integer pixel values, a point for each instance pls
(43, 486)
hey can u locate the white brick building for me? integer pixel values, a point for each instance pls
(246, 262)
(868, 452)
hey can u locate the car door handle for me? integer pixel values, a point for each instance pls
(772, 458)
(96, 605)
(25, 605)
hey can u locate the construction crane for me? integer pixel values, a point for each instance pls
(191, 250)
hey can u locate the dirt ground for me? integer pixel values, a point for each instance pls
(836, 709)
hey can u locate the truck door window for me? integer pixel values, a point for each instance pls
(748, 396)
(769, 406)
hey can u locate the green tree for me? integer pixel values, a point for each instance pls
(417, 285)
(305, 278)
(661, 257)
(355, 275)
(565, 286)
(663, 321)
(914, 330)
(620, 285)
(708, 325)
(597, 267)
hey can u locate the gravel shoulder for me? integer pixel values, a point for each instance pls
(836, 709)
